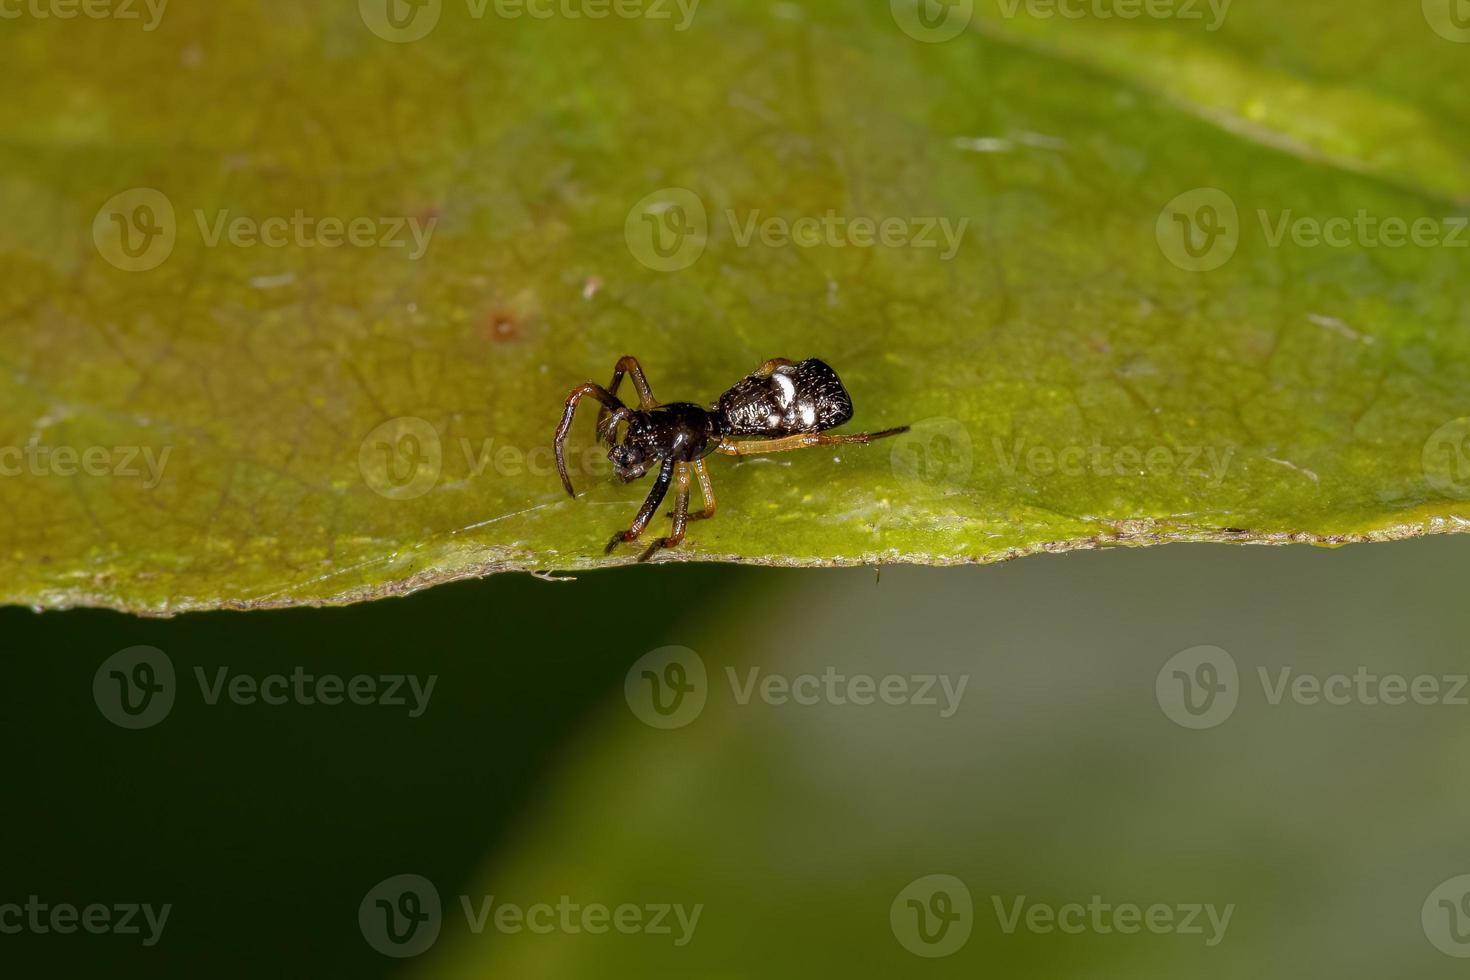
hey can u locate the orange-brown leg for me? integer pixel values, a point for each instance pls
(706, 489)
(681, 514)
(805, 440)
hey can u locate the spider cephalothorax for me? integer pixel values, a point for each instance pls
(784, 404)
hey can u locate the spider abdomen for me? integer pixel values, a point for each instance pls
(803, 397)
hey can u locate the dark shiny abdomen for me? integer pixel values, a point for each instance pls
(803, 397)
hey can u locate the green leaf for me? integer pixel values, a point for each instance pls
(358, 411)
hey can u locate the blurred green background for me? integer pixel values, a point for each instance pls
(530, 776)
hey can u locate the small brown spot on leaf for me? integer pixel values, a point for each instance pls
(503, 326)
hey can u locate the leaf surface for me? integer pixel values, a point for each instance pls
(1072, 254)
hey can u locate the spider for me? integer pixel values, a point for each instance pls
(784, 404)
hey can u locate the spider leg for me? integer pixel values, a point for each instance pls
(706, 489)
(608, 400)
(804, 440)
(681, 514)
(649, 508)
(629, 364)
(607, 423)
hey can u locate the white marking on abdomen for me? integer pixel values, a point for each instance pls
(786, 392)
